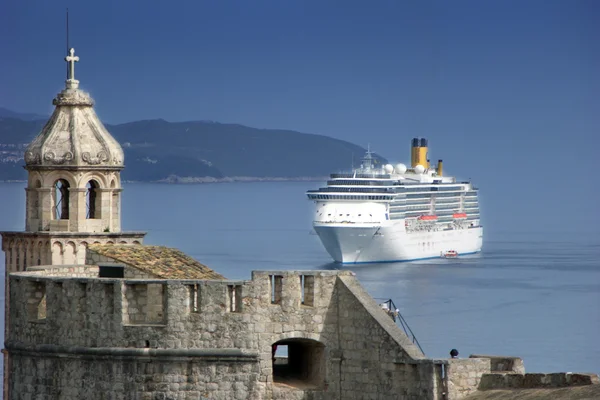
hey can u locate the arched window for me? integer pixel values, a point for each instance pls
(91, 199)
(61, 199)
(299, 362)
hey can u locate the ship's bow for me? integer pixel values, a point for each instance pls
(346, 244)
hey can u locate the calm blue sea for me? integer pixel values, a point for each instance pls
(532, 293)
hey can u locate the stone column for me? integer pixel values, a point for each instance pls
(77, 209)
(45, 205)
(28, 209)
(103, 208)
(116, 210)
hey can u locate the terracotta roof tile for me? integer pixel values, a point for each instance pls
(163, 262)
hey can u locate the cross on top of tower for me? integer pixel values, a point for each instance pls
(71, 59)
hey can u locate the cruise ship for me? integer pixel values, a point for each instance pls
(394, 213)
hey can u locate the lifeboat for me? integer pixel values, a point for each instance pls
(427, 218)
(459, 215)
(450, 254)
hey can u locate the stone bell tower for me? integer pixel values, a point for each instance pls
(73, 192)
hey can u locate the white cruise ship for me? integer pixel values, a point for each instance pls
(394, 213)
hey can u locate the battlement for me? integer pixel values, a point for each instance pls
(86, 308)
(69, 315)
(216, 332)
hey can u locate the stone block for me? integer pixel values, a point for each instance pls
(582, 379)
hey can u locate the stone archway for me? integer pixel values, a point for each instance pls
(299, 362)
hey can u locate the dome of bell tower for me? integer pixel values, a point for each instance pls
(74, 136)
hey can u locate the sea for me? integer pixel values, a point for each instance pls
(530, 293)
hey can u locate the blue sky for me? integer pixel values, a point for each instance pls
(506, 91)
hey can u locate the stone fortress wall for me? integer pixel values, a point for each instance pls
(74, 336)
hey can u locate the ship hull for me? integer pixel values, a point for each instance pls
(371, 243)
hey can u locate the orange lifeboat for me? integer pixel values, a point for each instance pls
(459, 215)
(428, 217)
(450, 254)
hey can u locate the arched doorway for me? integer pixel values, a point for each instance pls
(299, 362)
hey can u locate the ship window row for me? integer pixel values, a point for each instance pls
(447, 189)
(446, 206)
(421, 192)
(448, 203)
(415, 198)
(444, 212)
(415, 213)
(346, 197)
(441, 214)
(355, 190)
(448, 200)
(471, 194)
(435, 189)
(361, 176)
(421, 200)
(348, 182)
(419, 207)
(436, 195)
(448, 195)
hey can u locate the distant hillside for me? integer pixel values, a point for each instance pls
(158, 150)
(6, 113)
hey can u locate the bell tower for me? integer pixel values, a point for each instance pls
(73, 194)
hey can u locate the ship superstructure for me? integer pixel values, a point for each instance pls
(396, 213)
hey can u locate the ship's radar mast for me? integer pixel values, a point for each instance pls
(367, 161)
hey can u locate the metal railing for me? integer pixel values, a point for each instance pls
(394, 313)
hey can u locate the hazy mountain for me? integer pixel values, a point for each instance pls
(160, 150)
(6, 113)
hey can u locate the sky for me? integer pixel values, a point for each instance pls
(506, 91)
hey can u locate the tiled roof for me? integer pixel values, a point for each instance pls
(163, 262)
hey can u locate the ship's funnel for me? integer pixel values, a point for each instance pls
(440, 168)
(418, 153)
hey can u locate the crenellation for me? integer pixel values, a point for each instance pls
(156, 315)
